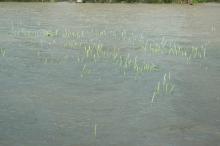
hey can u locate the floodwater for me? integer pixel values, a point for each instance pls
(73, 74)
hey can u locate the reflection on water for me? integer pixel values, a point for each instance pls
(109, 74)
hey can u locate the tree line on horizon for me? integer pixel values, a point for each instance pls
(118, 1)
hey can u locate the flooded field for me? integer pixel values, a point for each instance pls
(109, 74)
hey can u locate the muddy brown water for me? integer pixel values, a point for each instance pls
(52, 95)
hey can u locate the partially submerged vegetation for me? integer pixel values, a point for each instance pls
(2, 52)
(90, 55)
(164, 86)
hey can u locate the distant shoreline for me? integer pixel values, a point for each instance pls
(121, 1)
(107, 2)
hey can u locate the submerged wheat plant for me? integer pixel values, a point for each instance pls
(51, 60)
(95, 130)
(165, 86)
(126, 62)
(2, 52)
(85, 71)
(174, 50)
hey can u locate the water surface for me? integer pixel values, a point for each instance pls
(52, 94)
